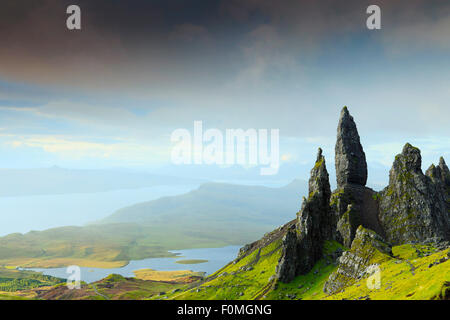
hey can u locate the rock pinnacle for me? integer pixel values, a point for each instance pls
(351, 166)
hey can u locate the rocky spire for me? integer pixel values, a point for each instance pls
(351, 166)
(442, 164)
(318, 202)
(314, 220)
(303, 243)
(319, 180)
(439, 174)
(319, 155)
(445, 172)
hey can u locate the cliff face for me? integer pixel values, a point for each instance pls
(414, 207)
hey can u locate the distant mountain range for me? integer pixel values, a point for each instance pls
(56, 180)
(218, 204)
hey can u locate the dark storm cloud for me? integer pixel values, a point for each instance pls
(168, 44)
(139, 69)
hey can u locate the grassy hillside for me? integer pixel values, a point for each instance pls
(12, 280)
(116, 287)
(414, 272)
(113, 245)
(419, 272)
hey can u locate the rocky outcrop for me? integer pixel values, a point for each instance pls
(314, 220)
(286, 269)
(351, 166)
(440, 176)
(352, 204)
(368, 250)
(313, 227)
(348, 224)
(314, 216)
(414, 207)
(364, 211)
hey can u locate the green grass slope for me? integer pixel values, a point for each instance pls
(14, 282)
(413, 272)
(417, 272)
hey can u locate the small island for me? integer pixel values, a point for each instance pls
(191, 261)
(179, 276)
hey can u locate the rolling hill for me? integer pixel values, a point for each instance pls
(214, 215)
(214, 204)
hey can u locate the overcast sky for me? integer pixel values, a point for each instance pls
(111, 94)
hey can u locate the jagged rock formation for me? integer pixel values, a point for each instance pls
(367, 251)
(352, 203)
(303, 243)
(351, 166)
(414, 207)
(314, 219)
(440, 175)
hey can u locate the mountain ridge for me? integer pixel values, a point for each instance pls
(230, 200)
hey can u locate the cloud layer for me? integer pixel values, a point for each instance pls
(140, 69)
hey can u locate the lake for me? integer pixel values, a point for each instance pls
(217, 258)
(40, 212)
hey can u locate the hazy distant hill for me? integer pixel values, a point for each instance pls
(55, 180)
(218, 204)
(213, 215)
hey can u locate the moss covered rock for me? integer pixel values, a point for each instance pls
(413, 207)
(368, 250)
(348, 224)
(303, 244)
